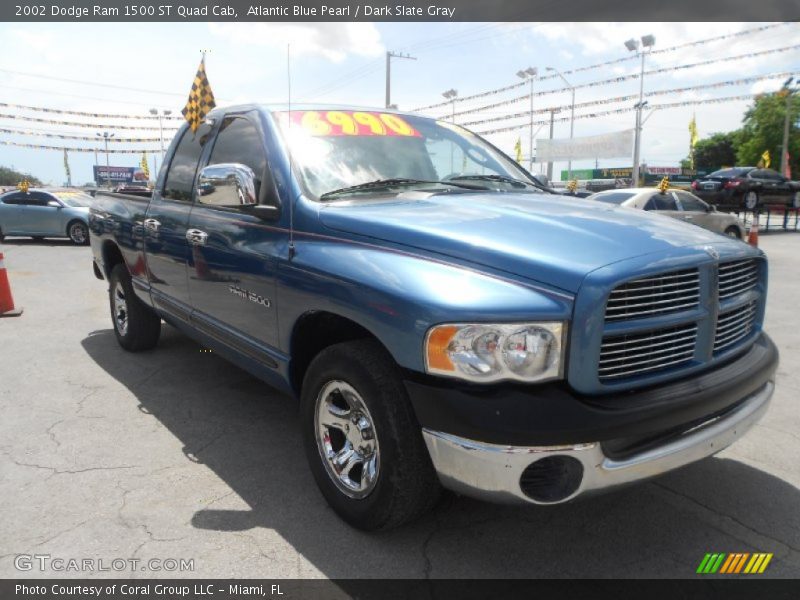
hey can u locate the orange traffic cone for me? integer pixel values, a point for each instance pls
(6, 300)
(752, 237)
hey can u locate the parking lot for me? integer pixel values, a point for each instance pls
(176, 454)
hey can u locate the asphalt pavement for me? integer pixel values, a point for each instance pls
(176, 454)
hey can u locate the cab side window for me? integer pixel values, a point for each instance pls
(661, 201)
(239, 141)
(180, 177)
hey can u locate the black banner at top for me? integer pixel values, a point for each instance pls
(398, 10)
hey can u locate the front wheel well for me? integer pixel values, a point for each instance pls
(314, 332)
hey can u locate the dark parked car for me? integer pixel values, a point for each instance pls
(747, 187)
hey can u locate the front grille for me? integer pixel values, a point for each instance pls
(671, 292)
(632, 354)
(737, 277)
(734, 326)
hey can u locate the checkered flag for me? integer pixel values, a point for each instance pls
(201, 98)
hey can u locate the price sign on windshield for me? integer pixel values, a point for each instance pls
(325, 123)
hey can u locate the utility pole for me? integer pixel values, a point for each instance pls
(529, 74)
(553, 112)
(789, 92)
(648, 41)
(389, 56)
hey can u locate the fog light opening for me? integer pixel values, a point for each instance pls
(551, 479)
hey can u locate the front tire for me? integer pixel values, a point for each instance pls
(751, 200)
(136, 326)
(78, 233)
(362, 439)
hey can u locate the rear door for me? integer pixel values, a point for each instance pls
(11, 212)
(165, 224)
(233, 256)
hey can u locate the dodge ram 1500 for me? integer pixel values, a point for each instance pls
(443, 320)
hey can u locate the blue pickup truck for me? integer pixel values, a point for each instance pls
(443, 320)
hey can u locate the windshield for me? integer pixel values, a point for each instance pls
(74, 199)
(333, 150)
(614, 197)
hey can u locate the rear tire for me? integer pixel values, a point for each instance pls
(2, 235)
(78, 233)
(751, 200)
(355, 410)
(136, 326)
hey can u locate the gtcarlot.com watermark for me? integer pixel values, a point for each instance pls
(57, 564)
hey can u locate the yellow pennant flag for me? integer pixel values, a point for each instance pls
(693, 132)
(145, 166)
(518, 150)
(201, 98)
(765, 158)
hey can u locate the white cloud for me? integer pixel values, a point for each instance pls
(333, 41)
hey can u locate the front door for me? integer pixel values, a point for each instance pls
(165, 225)
(233, 255)
(39, 218)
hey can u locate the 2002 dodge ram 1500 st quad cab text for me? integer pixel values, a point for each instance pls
(443, 320)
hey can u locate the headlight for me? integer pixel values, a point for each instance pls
(483, 352)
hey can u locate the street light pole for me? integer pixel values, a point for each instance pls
(553, 111)
(451, 95)
(161, 115)
(648, 41)
(571, 117)
(389, 57)
(106, 136)
(529, 74)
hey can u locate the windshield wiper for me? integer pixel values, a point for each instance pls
(504, 179)
(395, 182)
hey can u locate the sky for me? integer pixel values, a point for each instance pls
(124, 68)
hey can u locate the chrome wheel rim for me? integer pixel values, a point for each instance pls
(77, 233)
(120, 309)
(346, 439)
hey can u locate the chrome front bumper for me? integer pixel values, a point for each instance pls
(493, 472)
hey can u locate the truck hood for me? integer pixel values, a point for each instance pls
(550, 239)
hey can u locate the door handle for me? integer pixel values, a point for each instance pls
(196, 237)
(152, 224)
(688, 217)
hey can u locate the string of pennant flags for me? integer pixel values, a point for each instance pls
(80, 113)
(616, 99)
(622, 78)
(73, 149)
(622, 110)
(78, 124)
(65, 136)
(608, 63)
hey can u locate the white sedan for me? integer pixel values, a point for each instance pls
(677, 204)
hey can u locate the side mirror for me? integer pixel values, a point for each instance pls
(231, 185)
(53, 204)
